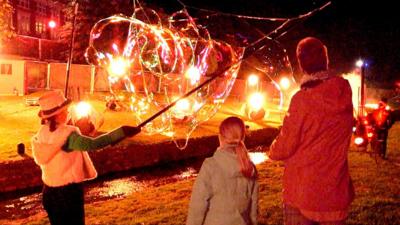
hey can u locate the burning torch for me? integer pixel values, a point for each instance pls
(254, 106)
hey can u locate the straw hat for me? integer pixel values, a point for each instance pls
(52, 103)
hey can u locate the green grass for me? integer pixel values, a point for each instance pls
(377, 196)
(20, 122)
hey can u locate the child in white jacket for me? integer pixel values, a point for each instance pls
(226, 189)
(60, 151)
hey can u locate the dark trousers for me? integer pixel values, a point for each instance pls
(64, 205)
(293, 216)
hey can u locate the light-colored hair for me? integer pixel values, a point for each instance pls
(312, 55)
(232, 131)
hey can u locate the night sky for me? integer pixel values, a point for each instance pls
(350, 29)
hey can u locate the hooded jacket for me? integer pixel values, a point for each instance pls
(221, 194)
(313, 143)
(59, 167)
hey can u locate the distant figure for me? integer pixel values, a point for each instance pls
(382, 121)
(60, 151)
(226, 189)
(314, 141)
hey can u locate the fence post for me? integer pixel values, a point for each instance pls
(48, 77)
(92, 74)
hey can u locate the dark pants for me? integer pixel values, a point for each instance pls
(64, 205)
(293, 216)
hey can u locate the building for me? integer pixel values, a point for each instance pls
(36, 23)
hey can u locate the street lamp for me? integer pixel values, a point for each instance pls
(52, 24)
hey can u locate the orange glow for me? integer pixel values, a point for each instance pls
(284, 83)
(256, 101)
(252, 80)
(118, 67)
(258, 157)
(82, 109)
(358, 140)
(369, 134)
(193, 73)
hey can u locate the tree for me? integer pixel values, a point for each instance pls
(7, 31)
(89, 12)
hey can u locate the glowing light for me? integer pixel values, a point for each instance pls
(284, 83)
(82, 109)
(258, 157)
(359, 63)
(358, 140)
(369, 134)
(256, 101)
(118, 67)
(355, 84)
(193, 73)
(52, 24)
(372, 105)
(183, 105)
(253, 80)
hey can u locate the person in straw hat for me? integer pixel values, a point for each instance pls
(60, 151)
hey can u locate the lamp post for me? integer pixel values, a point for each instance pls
(360, 64)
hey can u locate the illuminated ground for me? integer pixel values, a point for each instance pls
(20, 122)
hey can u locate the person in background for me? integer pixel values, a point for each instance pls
(226, 189)
(382, 121)
(60, 151)
(314, 141)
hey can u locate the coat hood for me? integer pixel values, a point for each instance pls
(330, 95)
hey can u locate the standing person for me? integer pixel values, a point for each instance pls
(63, 169)
(226, 189)
(382, 122)
(314, 141)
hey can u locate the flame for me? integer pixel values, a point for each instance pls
(252, 80)
(284, 83)
(355, 84)
(193, 74)
(256, 101)
(258, 157)
(82, 109)
(118, 67)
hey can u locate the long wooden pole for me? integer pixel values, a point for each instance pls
(71, 48)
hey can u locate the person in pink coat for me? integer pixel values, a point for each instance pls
(313, 143)
(61, 152)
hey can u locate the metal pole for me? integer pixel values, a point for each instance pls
(71, 47)
(362, 92)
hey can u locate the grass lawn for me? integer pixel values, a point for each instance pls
(377, 196)
(18, 122)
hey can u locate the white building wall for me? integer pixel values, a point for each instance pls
(12, 81)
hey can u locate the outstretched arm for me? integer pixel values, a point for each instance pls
(80, 142)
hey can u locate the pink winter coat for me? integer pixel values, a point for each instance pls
(313, 144)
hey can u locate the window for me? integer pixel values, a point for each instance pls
(40, 26)
(23, 23)
(6, 69)
(24, 3)
(41, 8)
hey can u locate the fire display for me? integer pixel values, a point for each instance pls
(153, 59)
